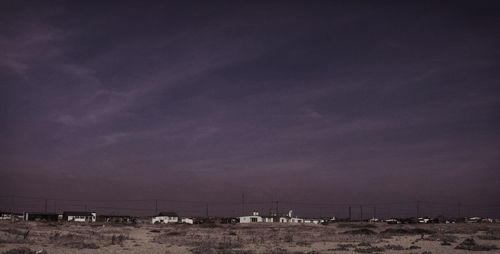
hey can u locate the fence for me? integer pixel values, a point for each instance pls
(144, 207)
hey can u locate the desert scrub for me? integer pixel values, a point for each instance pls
(80, 245)
(342, 247)
(118, 239)
(369, 250)
(407, 231)
(175, 233)
(393, 247)
(490, 235)
(442, 237)
(356, 225)
(470, 244)
(282, 251)
(24, 250)
(303, 243)
(218, 248)
(12, 235)
(362, 231)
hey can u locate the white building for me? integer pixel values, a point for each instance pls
(6, 216)
(79, 216)
(314, 221)
(296, 220)
(165, 217)
(251, 218)
(269, 219)
(187, 221)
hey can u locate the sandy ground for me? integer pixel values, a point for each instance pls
(246, 239)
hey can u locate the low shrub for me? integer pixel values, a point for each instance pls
(81, 245)
(369, 250)
(355, 225)
(394, 247)
(407, 231)
(24, 250)
(363, 231)
(470, 244)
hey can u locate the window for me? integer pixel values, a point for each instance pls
(254, 219)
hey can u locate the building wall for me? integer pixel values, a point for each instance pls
(83, 218)
(187, 221)
(250, 219)
(268, 220)
(296, 220)
(164, 219)
(284, 219)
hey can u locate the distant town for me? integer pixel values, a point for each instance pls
(255, 217)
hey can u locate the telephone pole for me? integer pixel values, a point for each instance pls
(206, 211)
(243, 204)
(350, 218)
(361, 212)
(12, 204)
(418, 209)
(156, 206)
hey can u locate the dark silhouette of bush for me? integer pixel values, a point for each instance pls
(362, 231)
(470, 244)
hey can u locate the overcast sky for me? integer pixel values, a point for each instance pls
(320, 101)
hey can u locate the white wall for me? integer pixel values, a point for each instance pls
(187, 221)
(164, 219)
(83, 218)
(248, 219)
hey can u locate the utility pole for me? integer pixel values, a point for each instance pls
(271, 208)
(243, 204)
(418, 209)
(45, 205)
(206, 211)
(350, 218)
(156, 206)
(361, 212)
(12, 204)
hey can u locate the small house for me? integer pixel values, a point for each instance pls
(30, 216)
(251, 218)
(165, 217)
(228, 220)
(270, 219)
(296, 220)
(6, 216)
(80, 216)
(125, 219)
(187, 221)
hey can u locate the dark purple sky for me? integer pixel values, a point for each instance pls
(323, 101)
